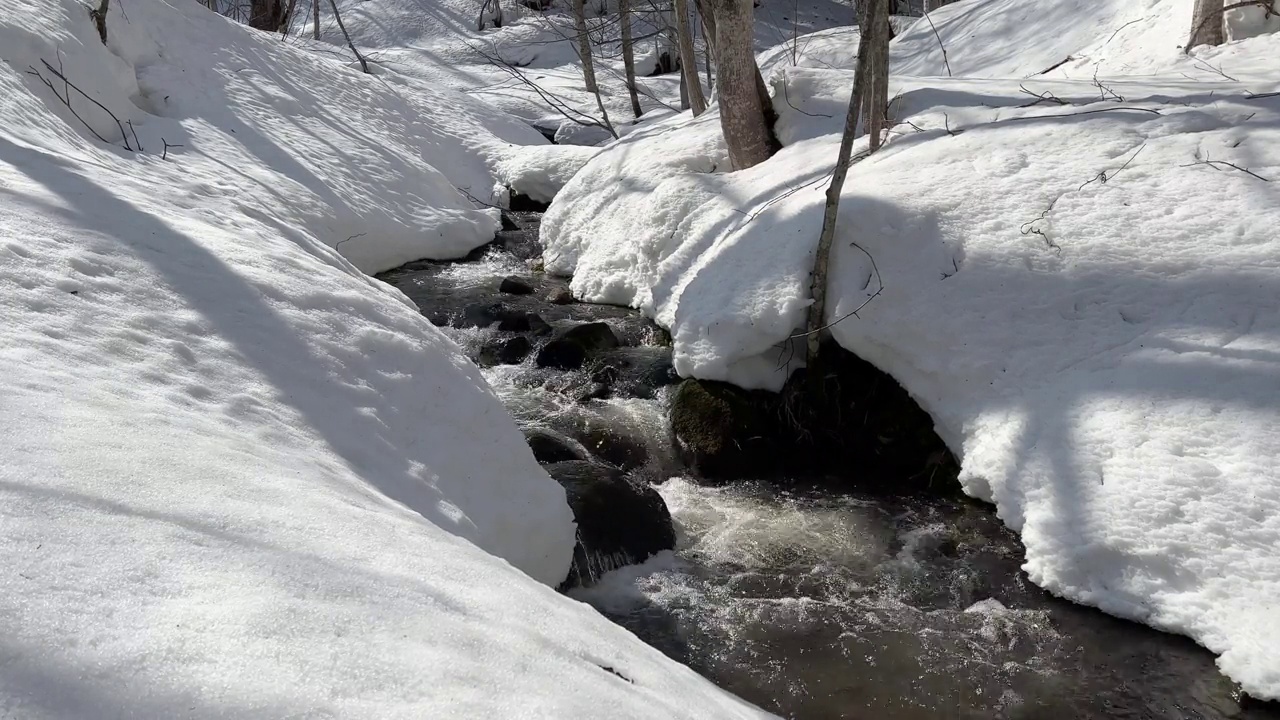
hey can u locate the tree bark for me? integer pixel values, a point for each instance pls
(286, 20)
(688, 59)
(743, 107)
(877, 77)
(628, 55)
(100, 19)
(1206, 24)
(315, 19)
(818, 282)
(584, 46)
(338, 16)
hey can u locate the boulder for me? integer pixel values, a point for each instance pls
(570, 349)
(621, 521)
(560, 296)
(549, 448)
(511, 351)
(724, 432)
(513, 285)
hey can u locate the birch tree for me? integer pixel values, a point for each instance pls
(1206, 24)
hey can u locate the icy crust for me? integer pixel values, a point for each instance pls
(241, 478)
(1085, 308)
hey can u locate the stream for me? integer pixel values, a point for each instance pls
(810, 602)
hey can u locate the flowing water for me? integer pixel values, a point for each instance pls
(816, 604)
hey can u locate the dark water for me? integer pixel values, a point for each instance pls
(820, 605)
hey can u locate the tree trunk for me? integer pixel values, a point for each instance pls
(338, 16)
(628, 55)
(744, 109)
(265, 15)
(1206, 24)
(877, 78)
(584, 46)
(688, 59)
(814, 324)
(100, 19)
(315, 19)
(286, 20)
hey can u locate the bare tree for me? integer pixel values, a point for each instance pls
(584, 46)
(1206, 24)
(628, 55)
(818, 288)
(688, 59)
(875, 37)
(315, 19)
(338, 16)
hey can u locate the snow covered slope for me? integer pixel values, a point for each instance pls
(240, 478)
(1085, 306)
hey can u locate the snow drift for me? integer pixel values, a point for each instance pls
(240, 478)
(1083, 302)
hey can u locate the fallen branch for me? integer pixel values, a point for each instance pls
(66, 100)
(1046, 96)
(165, 154)
(1030, 228)
(1215, 163)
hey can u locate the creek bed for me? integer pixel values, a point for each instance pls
(810, 602)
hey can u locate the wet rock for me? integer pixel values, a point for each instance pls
(524, 322)
(511, 351)
(548, 448)
(560, 296)
(613, 447)
(637, 372)
(569, 351)
(561, 354)
(592, 336)
(513, 285)
(856, 423)
(724, 432)
(621, 521)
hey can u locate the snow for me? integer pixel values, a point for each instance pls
(1084, 307)
(241, 478)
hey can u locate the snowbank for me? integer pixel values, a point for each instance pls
(240, 478)
(1085, 308)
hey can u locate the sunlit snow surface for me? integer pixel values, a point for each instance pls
(239, 477)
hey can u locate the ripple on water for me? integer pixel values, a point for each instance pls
(834, 607)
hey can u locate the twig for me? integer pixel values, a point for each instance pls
(1259, 96)
(353, 237)
(1029, 228)
(1103, 177)
(787, 98)
(1117, 32)
(135, 135)
(1106, 92)
(165, 155)
(945, 61)
(1054, 66)
(67, 101)
(1215, 163)
(1046, 96)
(1217, 70)
(875, 274)
(1082, 112)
